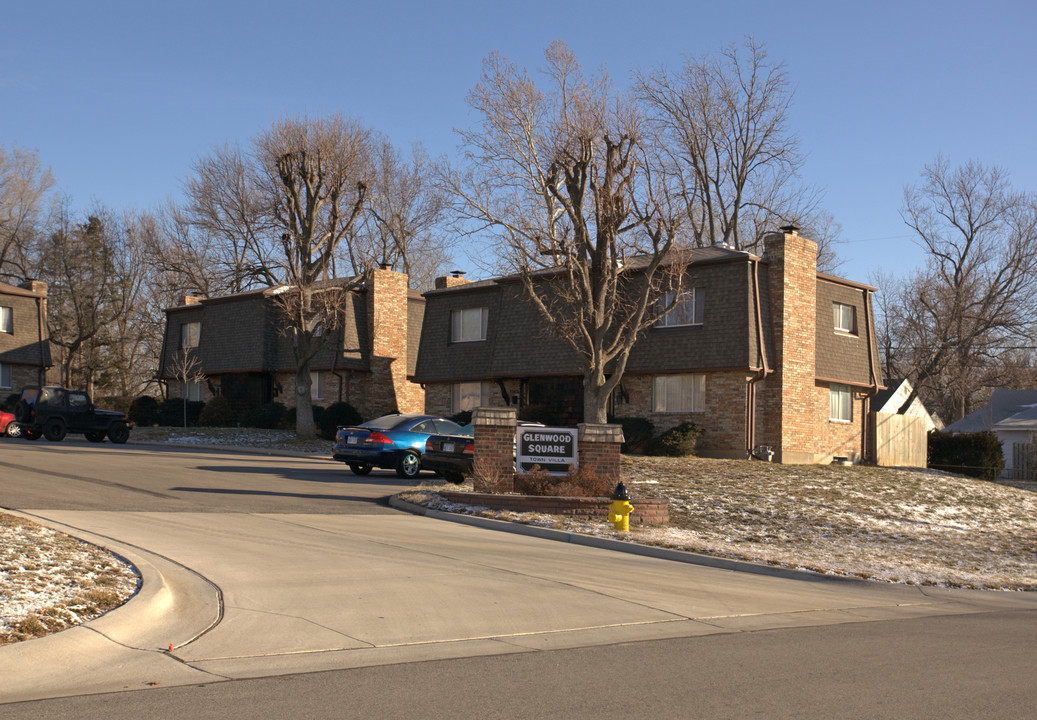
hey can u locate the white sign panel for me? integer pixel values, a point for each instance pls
(553, 449)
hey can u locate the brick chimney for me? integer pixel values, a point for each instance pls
(456, 278)
(792, 396)
(387, 320)
(37, 286)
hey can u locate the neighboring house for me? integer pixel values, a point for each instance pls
(24, 339)
(761, 352)
(238, 344)
(1012, 416)
(891, 401)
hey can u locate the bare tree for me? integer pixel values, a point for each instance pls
(79, 262)
(558, 174)
(186, 368)
(24, 185)
(723, 122)
(404, 215)
(955, 323)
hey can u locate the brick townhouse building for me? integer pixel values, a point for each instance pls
(25, 357)
(239, 346)
(761, 351)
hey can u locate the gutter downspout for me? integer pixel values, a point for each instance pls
(872, 376)
(764, 371)
(42, 374)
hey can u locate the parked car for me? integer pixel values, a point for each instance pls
(395, 442)
(53, 412)
(8, 426)
(452, 456)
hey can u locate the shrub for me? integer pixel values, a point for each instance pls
(144, 411)
(217, 413)
(171, 412)
(975, 454)
(290, 415)
(121, 403)
(582, 482)
(679, 441)
(10, 401)
(637, 433)
(266, 416)
(335, 415)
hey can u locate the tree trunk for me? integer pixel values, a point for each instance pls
(304, 426)
(595, 400)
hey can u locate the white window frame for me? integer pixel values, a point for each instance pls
(844, 317)
(190, 334)
(316, 385)
(468, 325)
(6, 320)
(840, 403)
(687, 311)
(679, 393)
(5, 376)
(463, 394)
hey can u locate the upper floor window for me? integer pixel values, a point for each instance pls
(6, 320)
(686, 311)
(679, 393)
(190, 333)
(468, 325)
(845, 317)
(840, 403)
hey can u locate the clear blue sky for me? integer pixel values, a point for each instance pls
(120, 97)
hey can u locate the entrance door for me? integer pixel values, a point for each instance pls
(555, 401)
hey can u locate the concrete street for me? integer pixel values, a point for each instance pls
(262, 567)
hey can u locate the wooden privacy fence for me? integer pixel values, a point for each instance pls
(898, 440)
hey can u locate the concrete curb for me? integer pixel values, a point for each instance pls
(622, 545)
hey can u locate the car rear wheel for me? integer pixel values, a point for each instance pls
(55, 430)
(94, 436)
(21, 411)
(118, 433)
(360, 468)
(14, 430)
(409, 465)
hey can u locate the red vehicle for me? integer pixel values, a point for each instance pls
(8, 426)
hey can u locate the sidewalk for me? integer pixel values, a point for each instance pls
(252, 595)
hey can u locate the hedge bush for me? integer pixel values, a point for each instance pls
(335, 415)
(171, 412)
(679, 441)
(267, 416)
(218, 413)
(10, 401)
(144, 411)
(582, 482)
(637, 433)
(975, 454)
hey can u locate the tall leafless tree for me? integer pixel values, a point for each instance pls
(24, 187)
(558, 173)
(723, 123)
(955, 325)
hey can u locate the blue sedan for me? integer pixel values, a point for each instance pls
(395, 442)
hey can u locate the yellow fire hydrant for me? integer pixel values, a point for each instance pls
(620, 509)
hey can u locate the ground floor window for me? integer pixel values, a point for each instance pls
(316, 386)
(466, 396)
(840, 403)
(194, 391)
(5, 376)
(679, 393)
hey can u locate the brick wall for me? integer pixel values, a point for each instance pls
(437, 397)
(598, 447)
(494, 449)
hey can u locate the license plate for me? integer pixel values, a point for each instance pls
(448, 447)
(351, 440)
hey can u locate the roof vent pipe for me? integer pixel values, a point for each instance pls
(457, 273)
(789, 229)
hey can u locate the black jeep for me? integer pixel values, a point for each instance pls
(55, 411)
